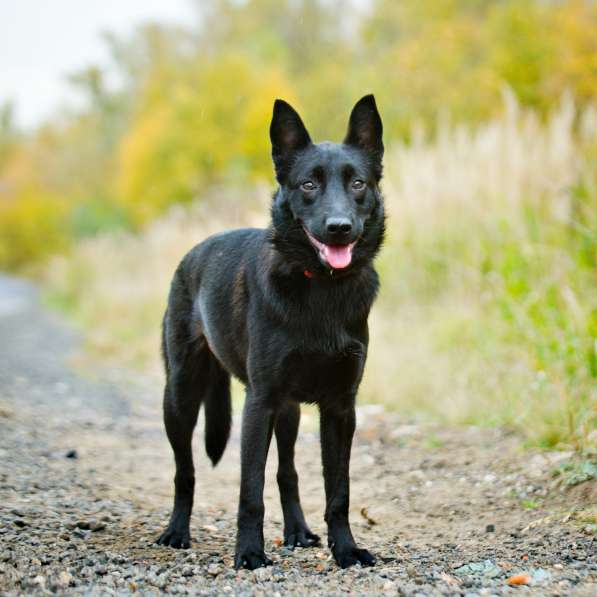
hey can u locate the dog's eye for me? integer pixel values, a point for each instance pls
(308, 186)
(358, 185)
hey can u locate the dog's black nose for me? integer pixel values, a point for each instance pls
(338, 226)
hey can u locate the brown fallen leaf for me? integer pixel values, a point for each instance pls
(319, 567)
(210, 528)
(365, 515)
(449, 579)
(524, 578)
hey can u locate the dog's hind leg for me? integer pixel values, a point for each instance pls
(188, 365)
(177, 534)
(194, 377)
(296, 531)
(181, 407)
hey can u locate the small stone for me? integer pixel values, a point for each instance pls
(71, 454)
(19, 522)
(263, 574)
(490, 528)
(64, 579)
(161, 582)
(83, 524)
(40, 581)
(187, 571)
(213, 570)
(210, 528)
(96, 525)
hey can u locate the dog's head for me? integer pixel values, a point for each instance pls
(328, 212)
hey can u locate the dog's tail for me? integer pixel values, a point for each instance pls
(218, 411)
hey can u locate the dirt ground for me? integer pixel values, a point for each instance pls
(86, 486)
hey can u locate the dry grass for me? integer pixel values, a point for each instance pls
(117, 285)
(487, 312)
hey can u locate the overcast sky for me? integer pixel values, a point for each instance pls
(41, 41)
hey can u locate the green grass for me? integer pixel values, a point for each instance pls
(576, 472)
(529, 504)
(432, 442)
(507, 318)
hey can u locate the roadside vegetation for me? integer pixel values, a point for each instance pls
(488, 309)
(488, 312)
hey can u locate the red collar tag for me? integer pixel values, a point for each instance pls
(308, 274)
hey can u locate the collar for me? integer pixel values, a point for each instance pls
(310, 274)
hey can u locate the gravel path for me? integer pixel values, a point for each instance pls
(85, 488)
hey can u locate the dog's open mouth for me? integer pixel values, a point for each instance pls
(334, 256)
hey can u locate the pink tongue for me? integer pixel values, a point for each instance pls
(338, 256)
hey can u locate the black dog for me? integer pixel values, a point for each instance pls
(285, 311)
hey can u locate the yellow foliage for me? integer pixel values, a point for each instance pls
(137, 157)
(573, 32)
(31, 227)
(254, 143)
(178, 147)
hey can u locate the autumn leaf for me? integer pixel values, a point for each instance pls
(524, 578)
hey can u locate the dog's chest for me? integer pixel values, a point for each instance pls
(318, 376)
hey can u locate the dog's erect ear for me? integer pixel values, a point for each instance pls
(365, 129)
(288, 135)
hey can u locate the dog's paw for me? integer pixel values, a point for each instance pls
(175, 537)
(351, 555)
(251, 559)
(301, 538)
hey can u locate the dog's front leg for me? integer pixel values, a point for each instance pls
(257, 427)
(296, 531)
(337, 429)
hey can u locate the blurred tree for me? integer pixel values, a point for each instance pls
(186, 108)
(520, 49)
(572, 28)
(9, 136)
